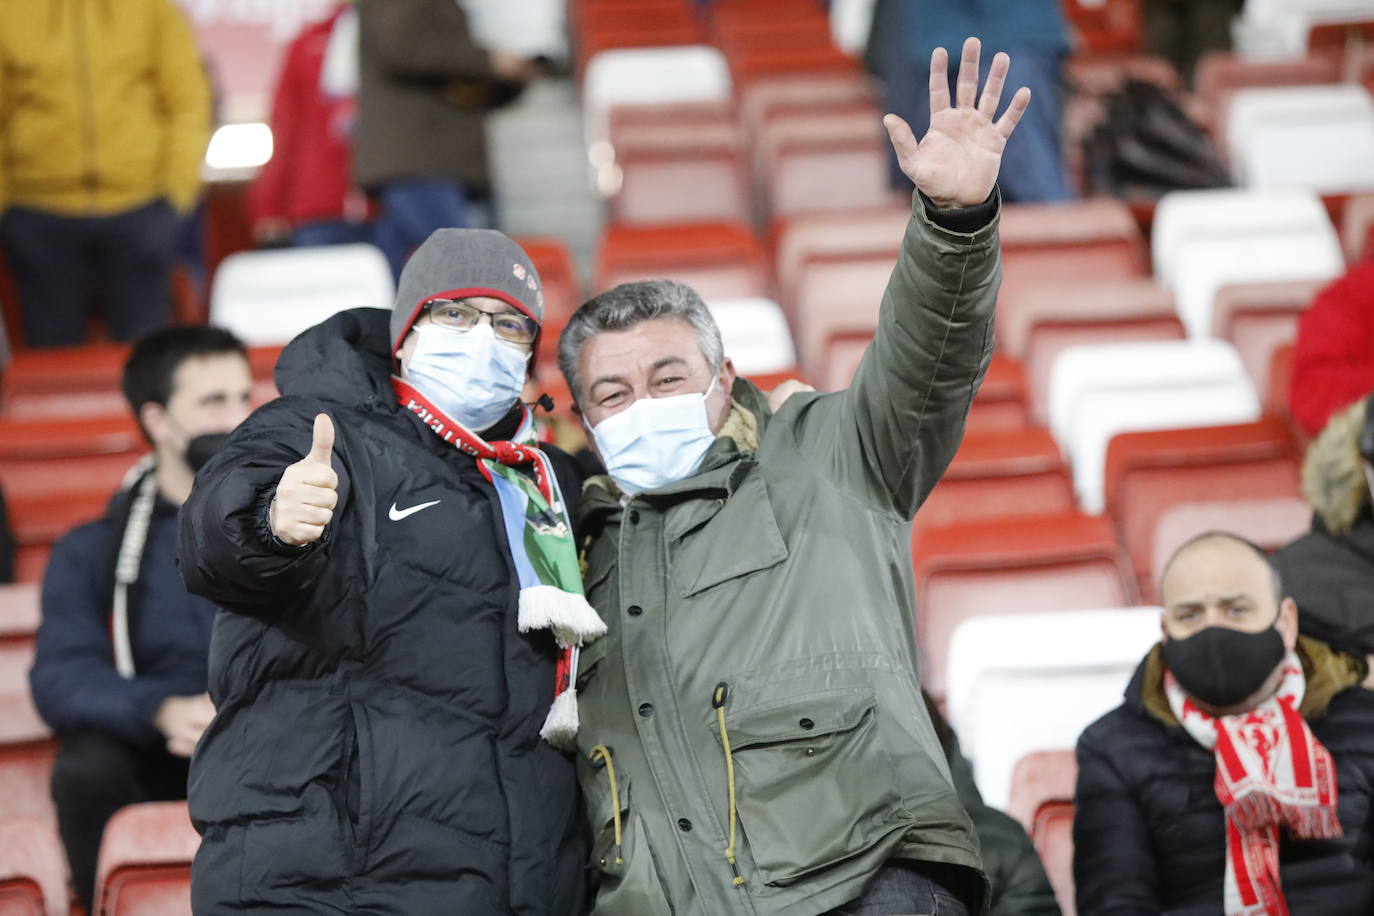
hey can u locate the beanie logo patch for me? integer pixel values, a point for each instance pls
(520, 271)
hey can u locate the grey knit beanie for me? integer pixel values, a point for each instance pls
(456, 263)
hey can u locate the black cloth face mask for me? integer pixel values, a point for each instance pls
(201, 449)
(1220, 666)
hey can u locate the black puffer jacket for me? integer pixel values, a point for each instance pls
(377, 746)
(1331, 577)
(1149, 834)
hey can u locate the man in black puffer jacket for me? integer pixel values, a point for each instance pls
(380, 700)
(1225, 752)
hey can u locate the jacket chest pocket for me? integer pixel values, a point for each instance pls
(715, 541)
(623, 867)
(814, 784)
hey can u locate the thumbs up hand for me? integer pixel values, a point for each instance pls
(307, 492)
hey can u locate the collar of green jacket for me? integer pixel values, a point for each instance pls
(1328, 673)
(720, 468)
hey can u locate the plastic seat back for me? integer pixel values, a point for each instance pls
(1040, 778)
(1250, 469)
(1204, 240)
(268, 297)
(1316, 137)
(755, 335)
(33, 868)
(1101, 390)
(1258, 318)
(1028, 682)
(145, 861)
(1011, 565)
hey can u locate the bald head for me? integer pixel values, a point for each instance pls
(1221, 579)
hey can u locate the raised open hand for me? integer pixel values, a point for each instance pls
(956, 163)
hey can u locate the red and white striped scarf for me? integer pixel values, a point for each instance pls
(1271, 772)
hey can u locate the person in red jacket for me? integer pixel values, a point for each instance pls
(1333, 359)
(304, 194)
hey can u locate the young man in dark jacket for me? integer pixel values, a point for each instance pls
(1329, 571)
(385, 663)
(1238, 777)
(120, 668)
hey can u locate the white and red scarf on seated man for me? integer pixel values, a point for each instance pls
(542, 547)
(1271, 773)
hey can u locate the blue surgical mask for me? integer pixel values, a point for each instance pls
(655, 441)
(471, 376)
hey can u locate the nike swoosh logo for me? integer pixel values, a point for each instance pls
(397, 514)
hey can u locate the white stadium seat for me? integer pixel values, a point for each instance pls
(1316, 137)
(1030, 682)
(755, 335)
(1203, 240)
(1097, 391)
(649, 76)
(268, 297)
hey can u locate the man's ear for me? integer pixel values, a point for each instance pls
(1288, 623)
(152, 416)
(1163, 628)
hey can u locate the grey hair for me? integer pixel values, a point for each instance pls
(630, 304)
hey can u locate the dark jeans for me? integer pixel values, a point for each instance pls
(904, 889)
(1033, 164)
(409, 210)
(93, 777)
(58, 261)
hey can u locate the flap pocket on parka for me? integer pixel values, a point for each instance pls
(815, 784)
(741, 537)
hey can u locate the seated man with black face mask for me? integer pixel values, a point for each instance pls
(1238, 776)
(120, 668)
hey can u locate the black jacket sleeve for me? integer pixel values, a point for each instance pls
(1113, 866)
(6, 544)
(73, 679)
(225, 545)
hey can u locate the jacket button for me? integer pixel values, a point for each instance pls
(634, 516)
(646, 709)
(807, 724)
(684, 825)
(634, 610)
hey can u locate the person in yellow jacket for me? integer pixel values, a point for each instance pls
(104, 117)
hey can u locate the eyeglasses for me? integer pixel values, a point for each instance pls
(460, 316)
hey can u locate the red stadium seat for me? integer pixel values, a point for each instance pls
(995, 475)
(1001, 404)
(1039, 322)
(798, 91)
(145, 861)
(1064, 243)
(817, 161)
(38, 521)
(719, 260)
(1276, 394)
(90, 367)
(747, 66)
(562, 291)
(1147, 472)
(1060, 563)
(1221, 73)
(1053, 838)
(33, 869)
(814, 242)
(1041, 778)
(1259, 318)
(1106, 26)
(1357, 225)
(684, 170)
(19, 613)
(26, 745)
(1332, 40)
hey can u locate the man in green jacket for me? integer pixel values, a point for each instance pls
(753, 739)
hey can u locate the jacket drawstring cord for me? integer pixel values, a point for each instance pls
(603, 753)
(718, 701)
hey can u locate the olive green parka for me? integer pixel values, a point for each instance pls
(760, 669)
